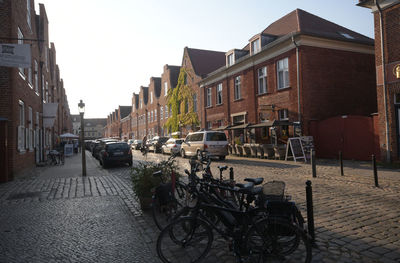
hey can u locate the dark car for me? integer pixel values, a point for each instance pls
(115, 152)
(99, 145)
(137, 144)
(156, 143)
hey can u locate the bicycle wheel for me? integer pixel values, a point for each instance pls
(277, 240)
(187, 239)
(164, 212)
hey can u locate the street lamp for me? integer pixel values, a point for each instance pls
(81, 107)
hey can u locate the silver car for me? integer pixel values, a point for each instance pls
(172, 146)
(214, 142)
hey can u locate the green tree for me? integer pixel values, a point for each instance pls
(180, 101)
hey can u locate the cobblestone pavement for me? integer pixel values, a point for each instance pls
(355, 221)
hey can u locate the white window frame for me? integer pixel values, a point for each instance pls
(283, 114)
(166, 111)
(151, 97)
(219, 94)
(165, 89)
(255, 46)
(195, 102)
(238, 88)
(47, 91)
(30, 125)
(282, 69)
(155, 115)
(36, 77)
(161, 113)
(230, 59)
(28, 13)
(21, 41)
(21, 127)
(208, 97)
(141, 103)
(262, 80)
(209, 125)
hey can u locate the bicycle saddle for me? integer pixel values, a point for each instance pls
(256, 181)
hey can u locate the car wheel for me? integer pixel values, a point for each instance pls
(103, 164)
(183, 153)
(222, 157)
(198, 155)
(130, 163)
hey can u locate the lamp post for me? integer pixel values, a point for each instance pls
(81, 107)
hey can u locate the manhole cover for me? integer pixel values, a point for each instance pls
(24, 195)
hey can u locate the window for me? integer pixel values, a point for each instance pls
(21, 41)
(165, 88)
(283, 73)
(141, 103)
(161, 112)
(30, 125)
(255, 46)
(238, 87)
(151, 97)
(21, 126)
(155, 115)
(194, 102)
(28, 13)
(283, 115)
(148, 116)
(262, 80)
(209, 125)
(230, 60)
(166, 111)
(208, 98)
(47, 91)
(219, 94)
(36, 77)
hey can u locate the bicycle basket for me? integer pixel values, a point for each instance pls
(274, 190)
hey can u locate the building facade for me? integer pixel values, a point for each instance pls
(299, 69)
(34, 110)
(387, 61)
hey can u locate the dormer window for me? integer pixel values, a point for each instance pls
(255, 46)
(230, 60)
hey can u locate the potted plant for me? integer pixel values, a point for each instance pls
(144, 183)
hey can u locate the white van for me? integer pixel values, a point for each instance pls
(214, 142)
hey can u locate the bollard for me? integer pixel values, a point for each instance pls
(313, 164)
(375, 170)
(341, 163)
(310, 211)
(231, 176)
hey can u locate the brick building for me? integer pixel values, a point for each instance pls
(153, 107)
(299, 69)
(142, 112)
(93, 126)
(169, 79)
(387, 62)
(33, 107)
(125, 122)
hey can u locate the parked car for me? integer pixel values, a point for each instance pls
(98, 146)
(136, 144)
(214, 142)
(172, 146)
(156, 143)
(115, 152)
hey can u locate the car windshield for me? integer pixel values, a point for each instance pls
(216, 136)
(178, 141)
(118, 146)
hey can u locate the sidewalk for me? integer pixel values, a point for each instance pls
(56, 215)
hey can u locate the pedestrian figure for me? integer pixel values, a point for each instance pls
(144, 148)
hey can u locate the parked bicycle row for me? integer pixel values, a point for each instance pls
(257, 220)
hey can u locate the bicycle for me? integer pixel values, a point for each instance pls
(52, 157)
(256, 233)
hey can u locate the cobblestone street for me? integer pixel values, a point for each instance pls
(54, 214)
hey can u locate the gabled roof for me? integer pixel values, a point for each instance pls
(145, 92)
(136, 100)
(125, 111)
(306, 23)
(174, 74)
(157, 86)
(205, 61)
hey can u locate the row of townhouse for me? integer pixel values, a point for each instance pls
(93, 127)
(34, 108)
(302, 75)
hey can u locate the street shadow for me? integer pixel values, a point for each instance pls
(258, 163)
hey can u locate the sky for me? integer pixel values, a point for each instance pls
(107, 49)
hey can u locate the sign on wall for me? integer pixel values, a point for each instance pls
(15, 55)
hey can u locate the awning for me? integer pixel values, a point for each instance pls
(49, 114)
(271, 124)
(240, 126)
(221, 128)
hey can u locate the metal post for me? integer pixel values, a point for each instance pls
(341, 163)
(231, 176)
(83, 146)
(375, 170)
(313, 164)
(310, 211)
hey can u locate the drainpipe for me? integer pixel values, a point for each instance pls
(388, 157)
(298, 82)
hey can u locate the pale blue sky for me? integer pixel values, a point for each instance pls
(107, 49)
